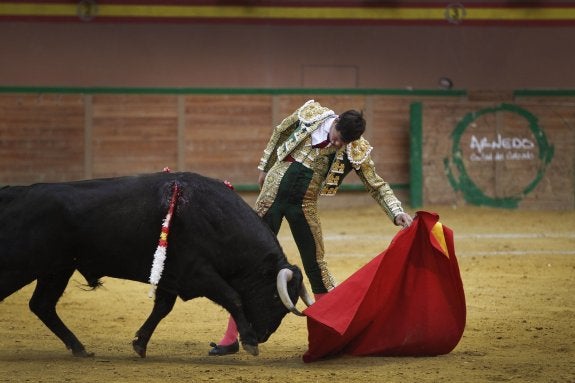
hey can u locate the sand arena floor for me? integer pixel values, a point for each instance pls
(518, 270)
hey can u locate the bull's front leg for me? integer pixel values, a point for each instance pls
(248, 337)
(163, 304)
(229, 299)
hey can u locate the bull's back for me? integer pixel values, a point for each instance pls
(51, 225)
(111, 226)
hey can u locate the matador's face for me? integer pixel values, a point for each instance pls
(335, 136)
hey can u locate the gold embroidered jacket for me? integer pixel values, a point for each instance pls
(293, 137)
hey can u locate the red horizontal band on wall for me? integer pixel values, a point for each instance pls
(275, 12)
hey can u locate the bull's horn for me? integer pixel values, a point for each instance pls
(284, 276)
(305, 296)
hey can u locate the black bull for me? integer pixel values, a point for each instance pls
(217, 248)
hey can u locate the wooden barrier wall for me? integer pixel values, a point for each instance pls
(67, 135)
(59, 137)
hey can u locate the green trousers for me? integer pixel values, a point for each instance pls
(291, 190)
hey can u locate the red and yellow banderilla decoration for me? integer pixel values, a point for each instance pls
(160, 254)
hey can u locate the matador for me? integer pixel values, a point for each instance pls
(309, 154)
(299, 169)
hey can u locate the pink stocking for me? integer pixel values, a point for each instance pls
(231, 334)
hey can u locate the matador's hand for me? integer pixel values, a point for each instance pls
(403, 219)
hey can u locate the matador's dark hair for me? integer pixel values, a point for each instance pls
(351, 125)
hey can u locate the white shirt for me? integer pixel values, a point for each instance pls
(320, 134)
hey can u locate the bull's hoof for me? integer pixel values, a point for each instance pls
(252, 349)
(82, 353)
(140, 350)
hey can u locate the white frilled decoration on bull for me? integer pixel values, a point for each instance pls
(160, 254)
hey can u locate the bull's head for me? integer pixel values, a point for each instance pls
(266, 315)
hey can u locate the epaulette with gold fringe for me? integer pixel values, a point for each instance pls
(358, 151)
(312, 112)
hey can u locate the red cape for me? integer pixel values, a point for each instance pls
(407, 301)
